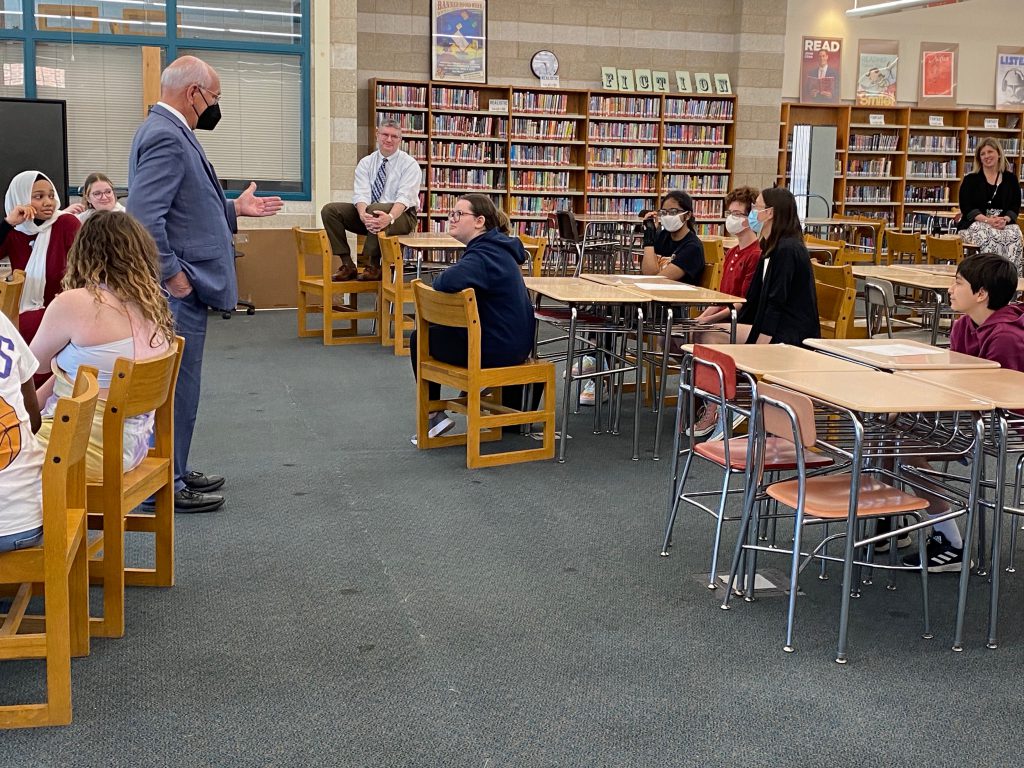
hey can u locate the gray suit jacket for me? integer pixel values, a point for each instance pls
(173, 190)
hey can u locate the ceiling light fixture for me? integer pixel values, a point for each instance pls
(891, 6)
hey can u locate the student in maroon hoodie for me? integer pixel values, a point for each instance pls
(993, 328)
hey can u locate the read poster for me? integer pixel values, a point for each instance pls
(820, 67)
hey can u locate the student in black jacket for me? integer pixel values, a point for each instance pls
(490, 265)
(782, 305)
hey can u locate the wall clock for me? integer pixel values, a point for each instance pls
(544, 64)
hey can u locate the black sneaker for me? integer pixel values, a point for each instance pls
(884, 526)
(943, 557)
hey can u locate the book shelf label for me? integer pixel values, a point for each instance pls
(991, 122)
(549, 82)
(498, 105)
(876, 119)
(936, 121)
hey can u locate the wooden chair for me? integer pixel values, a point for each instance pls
(58, 565)
(534, 264)
(867, 253)
(136, 387)
(836, 298)
(831, 250)
(947, 249)
(903, 247)
(10, 295)
(714, 263)
(397, 312)
(485, 418)
(317, 293)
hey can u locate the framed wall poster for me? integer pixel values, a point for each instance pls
(683, 81)
(938, 75)
(458, 40)
(1010, 78)
(877, 62)
(660, 81)
(821, 64)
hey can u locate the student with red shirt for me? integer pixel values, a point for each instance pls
(737, 273)
(36, 236)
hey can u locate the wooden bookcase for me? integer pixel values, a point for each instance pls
(588, 151)
(909, 165)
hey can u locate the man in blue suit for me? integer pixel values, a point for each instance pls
(174, 191)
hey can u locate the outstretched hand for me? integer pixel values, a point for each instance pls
(247, 204)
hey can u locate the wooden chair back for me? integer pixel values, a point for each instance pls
(714, 264)
(10, 295)
(833, 250)
(777, 421)
(136, 387)
(534, 264)
(869, 253)
(837, 295)
(944, 250)
(59, 564)
(313, 251)
(903, 247)
(396, 316)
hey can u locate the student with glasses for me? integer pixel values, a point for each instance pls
(97, 195)
(671, 247)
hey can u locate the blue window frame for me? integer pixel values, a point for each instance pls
(267, 41)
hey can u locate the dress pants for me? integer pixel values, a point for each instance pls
(190, 318)
(340, 218)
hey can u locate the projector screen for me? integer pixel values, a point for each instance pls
(35, 135)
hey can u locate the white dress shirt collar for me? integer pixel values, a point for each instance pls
(174, 112)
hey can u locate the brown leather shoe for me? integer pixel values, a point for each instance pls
(345, 273)
(370, 273)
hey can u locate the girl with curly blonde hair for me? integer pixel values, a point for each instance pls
(111, 306)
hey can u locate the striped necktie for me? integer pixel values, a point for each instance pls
(377, 190)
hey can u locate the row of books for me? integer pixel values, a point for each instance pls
(939, 168)
(709, 184)
(625, 106)
(468, 151)
(410, 121)
(627, 133)
(885, 142)
(695, 134)
(441, 203)
(540, 154)
(869, 167)
(711, 109)
(465, 125)
(866, 194)
(535, 205)
(918, 194)
(700, 159)
(528, 128)
(621, 205)
(613, 156)
(630, 183)
(933, 143)
(417, 148)
(468, 178)
(548, 103)
(454, 98)
(410, 96)
(1010, 146)
(541, 180)
(707, 209)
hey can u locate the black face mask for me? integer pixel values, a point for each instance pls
(210, 117)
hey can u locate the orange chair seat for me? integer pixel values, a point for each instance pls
(780, 454)
(829, 497)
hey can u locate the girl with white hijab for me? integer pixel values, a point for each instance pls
(35, 235)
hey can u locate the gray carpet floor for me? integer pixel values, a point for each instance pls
(362, 603)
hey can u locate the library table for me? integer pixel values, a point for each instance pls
(428, 242)
(899, 354)
(575, 293)
(1005, 388)
(858, 396)
(935, 284)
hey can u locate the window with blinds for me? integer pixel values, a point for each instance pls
(259, 137)
(12, 69)
(102, 85)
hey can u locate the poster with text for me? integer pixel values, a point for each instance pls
(938, 75)
(1010, 78)
(820, 67)
(877, 62)
(458, 50)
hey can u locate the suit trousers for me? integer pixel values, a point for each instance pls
(190, 317)
(341, 218)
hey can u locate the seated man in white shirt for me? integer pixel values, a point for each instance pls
(387, 187)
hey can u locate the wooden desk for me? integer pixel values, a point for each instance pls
(761, 359)
(667, 291)
(929, 357)
(575, 291)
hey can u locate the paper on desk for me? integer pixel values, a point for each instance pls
(899, 350)
(665, 287)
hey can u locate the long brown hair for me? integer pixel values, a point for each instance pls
(481, 205)
(785, 221)
(114, 250)
(91, 179)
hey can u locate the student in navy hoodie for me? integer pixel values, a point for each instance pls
(993, 328)
(490, 265)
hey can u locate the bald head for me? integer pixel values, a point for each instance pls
(183, 83)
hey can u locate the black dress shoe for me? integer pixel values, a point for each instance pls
(197, 481)
(190, 502)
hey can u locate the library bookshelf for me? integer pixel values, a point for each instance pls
(540, 150)
(900, 163)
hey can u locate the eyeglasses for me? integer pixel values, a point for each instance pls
(735, 213)
(670, 211)
(216, 96)
(457, 214)
(103, 193)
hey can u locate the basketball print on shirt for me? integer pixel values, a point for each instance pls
(10, 434)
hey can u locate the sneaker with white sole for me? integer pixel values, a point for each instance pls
(942, 556)
(737, 420)
(438, 424)
(588, 395)
(707, 419)
(589, 365)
